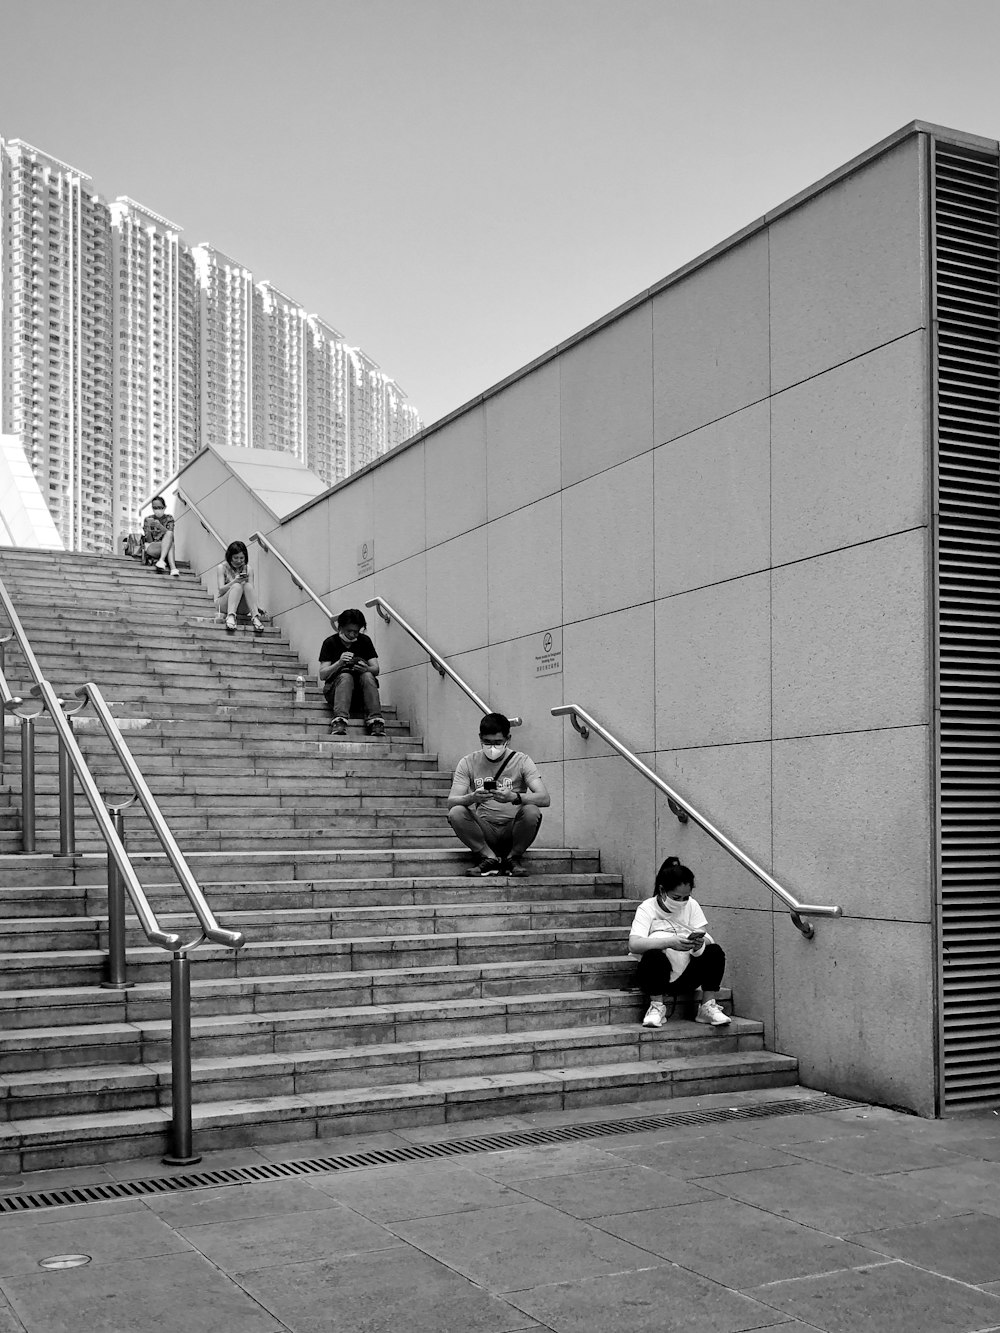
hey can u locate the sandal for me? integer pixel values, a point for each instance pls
(258, 625)
(230, 623)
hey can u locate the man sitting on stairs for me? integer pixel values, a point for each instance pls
(347, 659)
(495, 801)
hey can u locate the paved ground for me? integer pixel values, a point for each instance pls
(851, 1221)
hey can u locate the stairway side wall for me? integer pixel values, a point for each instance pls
(717, 503)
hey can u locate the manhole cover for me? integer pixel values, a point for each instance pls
(64, 1261)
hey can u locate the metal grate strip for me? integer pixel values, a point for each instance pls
(417, 1152)
(966, 221)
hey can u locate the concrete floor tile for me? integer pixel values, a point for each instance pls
(180, 1293)
(713, 1156)
(830, 1200)
(967, 1187)
(553, 1159)
(875, 1154)
(232, 1202)
(359, 1294)
(664, 1299)
(421, 1189)
(615, 1189)
(264, 1242)
(124, 1236)
(884, 1298)
(733, 1243)
(966, 1248)
(800, 1128)
(29, 1182)
(9, 1322)
(987, 1148)
(512, 1248)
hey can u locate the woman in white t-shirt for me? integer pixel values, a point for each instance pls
(676, 953)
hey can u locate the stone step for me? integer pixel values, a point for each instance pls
(46, 934)
(219, 839)
(88, 1089)
(91, 900)
(355, 992)
(306, 865)
(83, 966)
(69, 1140)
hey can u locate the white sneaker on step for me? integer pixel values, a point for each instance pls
(655, 1015)
(710, 1012)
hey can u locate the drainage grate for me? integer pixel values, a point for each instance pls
(417, 1152)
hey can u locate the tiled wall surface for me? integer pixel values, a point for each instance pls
(719, 503)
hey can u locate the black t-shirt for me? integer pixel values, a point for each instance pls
(334, 647)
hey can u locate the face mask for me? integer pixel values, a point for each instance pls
(493, 751)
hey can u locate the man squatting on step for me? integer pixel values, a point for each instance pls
(677, 956)
(495, 801)
(347, 659)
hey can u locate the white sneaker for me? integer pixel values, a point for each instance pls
(161, 565)
(655, 1015)
(709, 1012)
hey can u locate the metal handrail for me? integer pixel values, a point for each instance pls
(389, 613)
(72, 759)
(296, 578)
(200, 517)
(584, 724)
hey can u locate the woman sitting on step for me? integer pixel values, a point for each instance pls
(235, 591)
(677, 956)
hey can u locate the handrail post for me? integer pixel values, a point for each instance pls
(27, 782)
(3, 719)
(116, 960)
(67, 810)
(181, 1151)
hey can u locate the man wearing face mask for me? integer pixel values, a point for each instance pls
(496, 800)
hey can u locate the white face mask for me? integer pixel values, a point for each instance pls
(493, 751)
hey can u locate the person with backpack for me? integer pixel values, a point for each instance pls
(496, 801)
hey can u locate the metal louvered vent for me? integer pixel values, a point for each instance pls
(967, 309)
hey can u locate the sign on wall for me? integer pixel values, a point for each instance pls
(366, 558)
(548, 653)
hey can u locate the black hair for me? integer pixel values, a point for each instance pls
(671, 875)
(352, 616)
(231, 550)
(161, 500)
(494, 722)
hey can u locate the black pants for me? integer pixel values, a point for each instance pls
(653, 972)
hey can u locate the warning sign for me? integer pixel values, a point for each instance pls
(548, 653)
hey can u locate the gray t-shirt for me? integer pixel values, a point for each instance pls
(475, 768)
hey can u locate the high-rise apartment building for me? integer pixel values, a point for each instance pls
(56, 337)
(123, 351)
(156, 341)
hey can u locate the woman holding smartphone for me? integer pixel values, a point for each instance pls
(676, 954)
(234, 588)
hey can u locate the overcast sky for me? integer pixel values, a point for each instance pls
(457, 185)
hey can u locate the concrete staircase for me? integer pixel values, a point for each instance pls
(379, 986)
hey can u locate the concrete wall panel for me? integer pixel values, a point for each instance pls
(524, 569)
(713, 665)
(849, 456)
(399, 507)
(607, 565)
(607, 397)
(610, 805)
(455, 472)
(850, 639)
(710, 341)
(608, 670)
(457, 598)
(452, 719)
(847, 268)
(351, 524)
(523, 461)
(404, 587)
(712, 502)
(852, 822)
(852, 1032)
